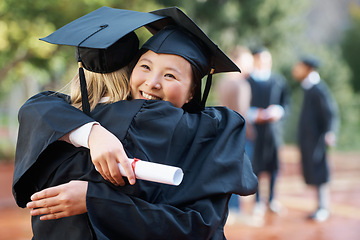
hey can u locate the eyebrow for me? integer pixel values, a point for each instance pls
(174, 69)
(144, 59)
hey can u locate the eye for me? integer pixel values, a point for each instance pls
(169, 75)
(144, 66)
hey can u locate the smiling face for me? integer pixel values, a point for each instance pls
(162, 77)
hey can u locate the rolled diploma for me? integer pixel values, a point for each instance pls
(155, 172)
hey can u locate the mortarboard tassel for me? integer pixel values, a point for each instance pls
(83, 87)
(84, 94)
(207, 88)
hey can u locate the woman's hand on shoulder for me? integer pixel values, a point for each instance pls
(106, 152)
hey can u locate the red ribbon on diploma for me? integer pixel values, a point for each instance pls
(133, 164)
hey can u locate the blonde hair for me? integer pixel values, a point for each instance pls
(114, 85)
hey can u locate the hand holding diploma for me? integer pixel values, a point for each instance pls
(155, 172)
(50, 202)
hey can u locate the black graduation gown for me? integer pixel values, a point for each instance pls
(268, 135)
(318, 116)
(204, 145)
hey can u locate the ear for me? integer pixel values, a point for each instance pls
(189, 99)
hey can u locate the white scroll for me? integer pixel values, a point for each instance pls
(155, 172)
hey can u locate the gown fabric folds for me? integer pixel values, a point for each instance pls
(208, 146)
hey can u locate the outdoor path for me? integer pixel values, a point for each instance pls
(296, 197)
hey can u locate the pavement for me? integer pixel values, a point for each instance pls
(297, 201)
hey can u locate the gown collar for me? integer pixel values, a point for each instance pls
(312, 79)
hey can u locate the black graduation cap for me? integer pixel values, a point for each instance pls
(175, 40)
(104, 39)
(259, 49)
(191, 43)
(311, 61)
(100, 28)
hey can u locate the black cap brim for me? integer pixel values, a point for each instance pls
(100, 28)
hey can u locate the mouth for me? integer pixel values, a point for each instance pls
(149, 96)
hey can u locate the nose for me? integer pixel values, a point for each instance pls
(153, 82)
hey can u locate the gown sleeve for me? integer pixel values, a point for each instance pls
(130, 217)
(327, 113)
(43, 119)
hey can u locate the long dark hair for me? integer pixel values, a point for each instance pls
(194, 105)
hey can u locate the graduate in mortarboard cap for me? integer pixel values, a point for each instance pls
(268, 109)
(318, 123)
(152, 127)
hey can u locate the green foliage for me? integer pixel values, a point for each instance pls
(279, 25)
(21, 25)
(7, 150)
(351, 49)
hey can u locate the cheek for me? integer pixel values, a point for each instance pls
(136, 79)
(177, 94)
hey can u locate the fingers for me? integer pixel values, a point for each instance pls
(109, 170)
(46, 193)
(128, 170)
(49, 212)
(46, 210)
(115, 174)
(103, 170)
(48, 207)
(53, 216)
(106, 152)
(45, 198)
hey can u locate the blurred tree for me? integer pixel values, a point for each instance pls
(351, 53)
(350, 45)
(278, 25)
(21, 26)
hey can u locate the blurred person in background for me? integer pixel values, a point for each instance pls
(318, 123)
(269, 105)
(234, 92)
